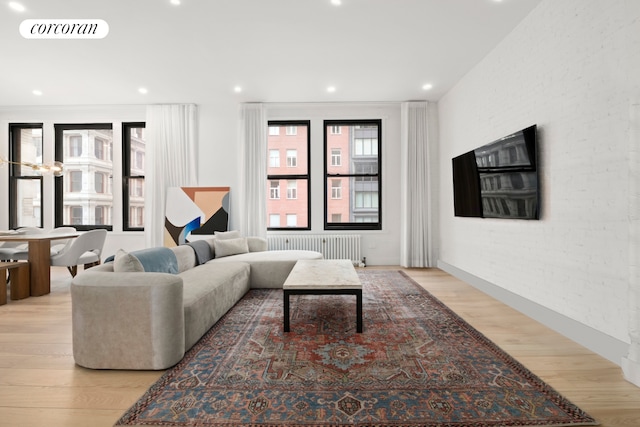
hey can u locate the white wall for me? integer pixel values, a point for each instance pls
(571, 67)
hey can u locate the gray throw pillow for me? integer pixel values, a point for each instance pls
(230, 247)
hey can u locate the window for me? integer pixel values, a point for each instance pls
(25, 184)
(274, 190)
(102, 148)
(77, 202)
(292, 189)
(133, 162)
(292, 140)
(336, 157)
(352, 174)
(274, 158)
(75, 146)
(292, 158)
(336, 189)
(76, 214)
(274, 220)
(100, 182)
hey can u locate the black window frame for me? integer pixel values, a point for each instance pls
(327, 127)
(59, 180)
(307, 177)
(14, 171)
(126, 171)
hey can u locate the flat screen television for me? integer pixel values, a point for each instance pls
(499, 179)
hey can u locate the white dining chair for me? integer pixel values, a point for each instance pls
(85, 249)
(56, 245)
(9, 250)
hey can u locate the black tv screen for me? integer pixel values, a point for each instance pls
(499, 179)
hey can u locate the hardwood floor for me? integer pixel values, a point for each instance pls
(41, 386)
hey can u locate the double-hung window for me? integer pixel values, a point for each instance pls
(288, 139)
(352, 174)
(25, 183)
(133, 163)
(83, 194)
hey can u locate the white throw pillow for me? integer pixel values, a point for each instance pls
(125, 262)
(230, 247)
(226, 235)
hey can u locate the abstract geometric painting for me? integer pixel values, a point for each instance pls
(194, 213)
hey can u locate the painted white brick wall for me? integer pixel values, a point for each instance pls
(570, 67)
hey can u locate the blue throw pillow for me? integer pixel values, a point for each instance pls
(158, 260)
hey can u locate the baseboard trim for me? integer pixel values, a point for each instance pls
(606, 346)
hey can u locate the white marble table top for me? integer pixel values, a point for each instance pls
(323, 274)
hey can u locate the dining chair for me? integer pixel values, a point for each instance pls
(9, 250)
(85, 249)
(56, 245)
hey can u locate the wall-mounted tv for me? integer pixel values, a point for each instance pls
(499, 179)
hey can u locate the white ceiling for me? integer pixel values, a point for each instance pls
(276, 50)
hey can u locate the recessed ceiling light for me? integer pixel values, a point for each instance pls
(336, 2)
(237, 89)
(331, 89)
(175, 2)
(427, 86)
(17, 6)
(37, 92)
(143, 90)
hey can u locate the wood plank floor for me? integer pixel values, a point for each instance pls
(41, 386)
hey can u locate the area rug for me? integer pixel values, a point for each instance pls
(416, 364)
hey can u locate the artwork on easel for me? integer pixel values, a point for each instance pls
(194, 213)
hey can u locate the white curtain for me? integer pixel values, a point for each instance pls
(416, 238)
(171, 161)
(253, 170)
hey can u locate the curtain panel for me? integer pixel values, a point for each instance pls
(416, 243)
(171, 161)
(253, 169)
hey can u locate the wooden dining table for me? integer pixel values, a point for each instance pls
(39, 257)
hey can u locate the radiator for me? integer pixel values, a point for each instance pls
(332, 246)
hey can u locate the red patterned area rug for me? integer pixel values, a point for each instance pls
(416, 364)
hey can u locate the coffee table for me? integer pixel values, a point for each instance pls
(323, 277)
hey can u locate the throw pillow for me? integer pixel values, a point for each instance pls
(225, 235)
(230, 247)
(125, 262)
(159, 260)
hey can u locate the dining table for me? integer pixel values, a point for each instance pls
(39, 256)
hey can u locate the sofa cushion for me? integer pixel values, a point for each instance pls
(227, 247)
(270, 269)
(210, 290)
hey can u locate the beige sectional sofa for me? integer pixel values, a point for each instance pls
(148, 320)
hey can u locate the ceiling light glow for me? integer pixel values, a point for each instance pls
(237, 89)
(331, 89)
(17, 6)
(36, 92)
(175, 2)
(427, 86)
(336, 2)
(143, 90)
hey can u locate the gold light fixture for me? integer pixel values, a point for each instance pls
(55, 168)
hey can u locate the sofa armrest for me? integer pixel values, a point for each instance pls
(256, 244)
(127, 320)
